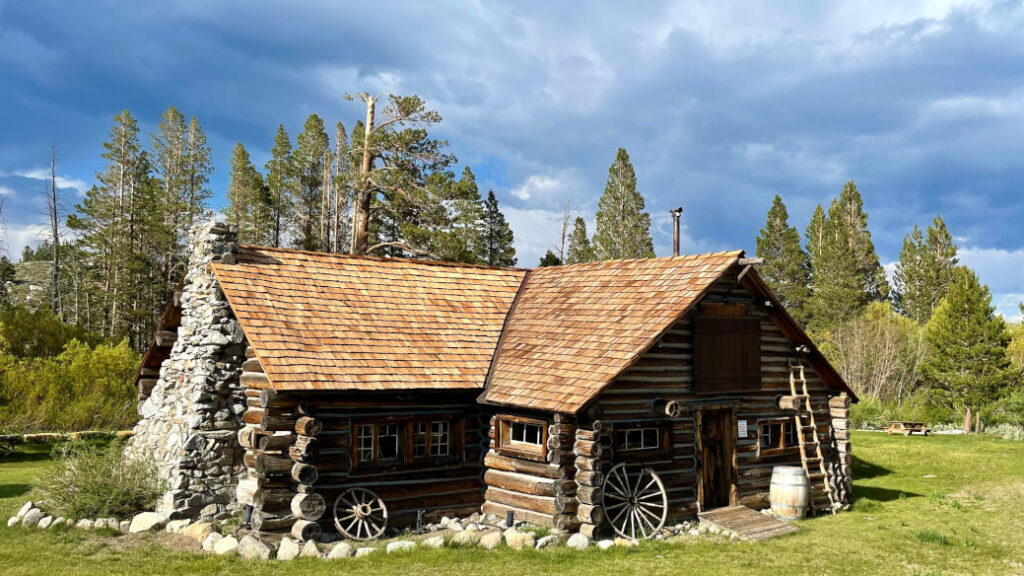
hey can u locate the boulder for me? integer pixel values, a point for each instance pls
(465, 539)
(578, 542)
(25, 508)
(340, 550)
(309, 550)
(434, 542)
(123, 525)
(252, 548)
(626, 543)
(45, 522)
(198, 531)
(491, 540)
(228, 545)
(12, 521)
(58, 522)
(84, 524)
(517, 540)
(549, 541)
(288, 550)
(400, 546)
(177, 526)
(210, 542)
(111, 523)
(147, 521)
(605, 544)
(32, 517)
(365, 550)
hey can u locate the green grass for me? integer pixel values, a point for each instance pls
(964, 520)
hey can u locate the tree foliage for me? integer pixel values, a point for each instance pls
(550, 259)
(925, 270)
(579, 245)
(969, 361)
(623, 227)
(497, 248)
(787, 266)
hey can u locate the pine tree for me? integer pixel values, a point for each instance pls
(198, 167)
(497, 248)
(341, 191)
(838, 286)
(623, 228)
(849, 214)
(460, 239)
(579, 245)
(245, 198)
(787, 267)
(550, 259)
(280, 186)
(925, 270)
(311, 151)
(969, 361)
(815, 233)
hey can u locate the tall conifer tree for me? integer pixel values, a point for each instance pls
(623, 228)
(579, 245)
(309, 161)
(246, 208)
(925, 270)
(969, 361)
(497, 248)
(280, 186)
(786, 267)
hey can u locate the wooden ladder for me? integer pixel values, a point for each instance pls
(807, 436)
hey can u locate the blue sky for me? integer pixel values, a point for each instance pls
(720, 104)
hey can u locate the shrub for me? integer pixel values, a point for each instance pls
(82, 388)
(91, 481)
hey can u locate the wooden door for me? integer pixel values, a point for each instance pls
(717, 470)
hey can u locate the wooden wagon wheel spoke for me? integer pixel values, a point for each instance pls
(359, 514)
(636, 501)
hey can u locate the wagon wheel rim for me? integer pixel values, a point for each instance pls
(635, 502)
(359, 514)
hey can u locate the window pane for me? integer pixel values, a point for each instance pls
(651, 439)
(768, 439)
(387, 441)
(440, 443)
(365, 452)
(526, 433)
(420, 439)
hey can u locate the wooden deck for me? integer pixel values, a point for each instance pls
(747, 523)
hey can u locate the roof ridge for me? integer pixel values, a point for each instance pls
(341, 256)
(656, 258)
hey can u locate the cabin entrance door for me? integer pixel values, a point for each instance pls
(717, 471)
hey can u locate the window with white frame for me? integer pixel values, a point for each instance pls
(639, 439)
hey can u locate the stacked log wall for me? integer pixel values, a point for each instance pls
(444, 487)
(841, 463)
(540, 490)
(280, 441)
(665, 373)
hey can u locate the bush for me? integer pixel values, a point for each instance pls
(37, 333)
(873, 414)
(82, 388)
(97, 481)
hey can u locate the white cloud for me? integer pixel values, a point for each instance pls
(537, 230)
(21, 235)
(1008, 306)
(1002, 270)
(5, 191)
(44, 174)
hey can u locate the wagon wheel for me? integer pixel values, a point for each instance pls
(360, 515)
(635, 501)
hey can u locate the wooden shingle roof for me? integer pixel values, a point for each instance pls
(573, 329)
(324, 321)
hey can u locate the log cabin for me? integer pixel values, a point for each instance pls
(605, 396)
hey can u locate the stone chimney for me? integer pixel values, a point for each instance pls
(190, 420)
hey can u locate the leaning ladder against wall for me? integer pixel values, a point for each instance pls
(807, 435)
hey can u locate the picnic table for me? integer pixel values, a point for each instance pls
(907, 428)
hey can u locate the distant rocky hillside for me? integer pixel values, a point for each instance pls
(31, 285)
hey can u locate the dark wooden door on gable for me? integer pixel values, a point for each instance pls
(727, 354)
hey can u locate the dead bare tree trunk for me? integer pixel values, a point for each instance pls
(967, 419)
(361, 206)
(566, 214)
(52, 205)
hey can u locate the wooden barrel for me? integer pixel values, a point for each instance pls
(789, 492)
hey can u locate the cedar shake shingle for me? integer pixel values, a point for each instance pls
(573, 329)
(325, 321)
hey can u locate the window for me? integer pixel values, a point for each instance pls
(377, 442)
(726, 354)
(523, 437)
(639, 439)
(777, 435)
(525, 433)
(431, 439)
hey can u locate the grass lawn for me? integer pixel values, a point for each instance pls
(937, 505)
